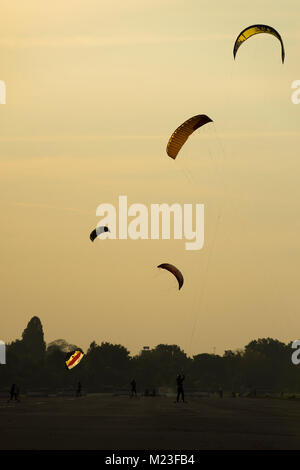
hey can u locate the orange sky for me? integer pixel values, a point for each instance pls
(94, 90)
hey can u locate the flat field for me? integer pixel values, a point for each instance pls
(103, 421)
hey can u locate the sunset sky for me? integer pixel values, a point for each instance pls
(94, 90)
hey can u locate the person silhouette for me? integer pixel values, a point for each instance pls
(133, 388)
(14, 392)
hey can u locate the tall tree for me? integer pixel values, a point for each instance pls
(33, 340)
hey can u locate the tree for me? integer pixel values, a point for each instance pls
(107, 365)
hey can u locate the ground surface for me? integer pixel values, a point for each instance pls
(113, 423)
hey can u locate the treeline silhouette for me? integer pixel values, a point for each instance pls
(262, 364)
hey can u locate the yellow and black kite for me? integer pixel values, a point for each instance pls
(73, 358)
(182, 133)
(257, 29)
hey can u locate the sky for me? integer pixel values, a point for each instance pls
(94, 91)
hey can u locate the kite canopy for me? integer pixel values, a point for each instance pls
(182, 133)
(97, 231)
(73, 358)
(257, 29)
(175, 271)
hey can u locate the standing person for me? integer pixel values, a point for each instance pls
(180, 392)
(133, 388)
(78, 391)
(12, 392)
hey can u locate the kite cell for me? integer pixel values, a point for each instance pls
(73, 358)
(97, 231)
(182, 133)
(257, 29)
(175, 271)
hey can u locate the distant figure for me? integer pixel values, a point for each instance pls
(180, 392)
(133, 388)
(78, 391)
(233, 394)
(14, 392)
(220, 392)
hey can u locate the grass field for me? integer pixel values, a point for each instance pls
(117, 423)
